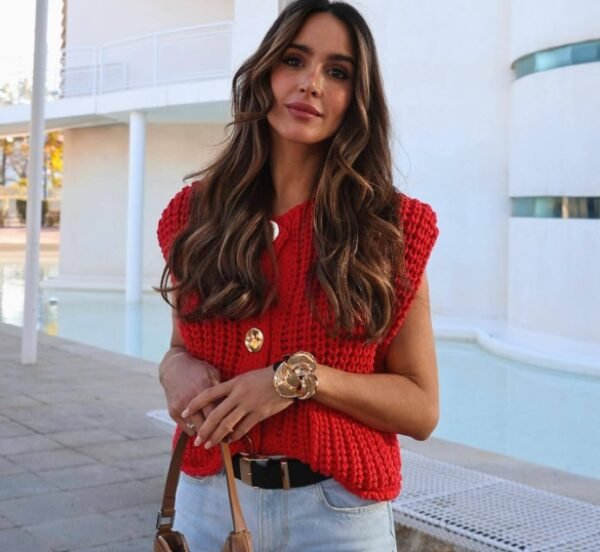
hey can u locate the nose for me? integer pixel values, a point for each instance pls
(312, 82)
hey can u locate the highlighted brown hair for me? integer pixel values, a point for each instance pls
(356, 234)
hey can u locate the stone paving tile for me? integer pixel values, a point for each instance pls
(146, 468)
(89, 530)
(23, 484)
(85, 476)
(17, 401)
(127, 450)
(82, 437)
(51, 422)
(5, 523)
(157, 481)
(7, 467)
(17, 540)
(9, 428)
(51, 460)
(136, 427)
(56, 394)
(139, 521)
(117, 496)
(131, 545)
(26, 443)
(33, 510)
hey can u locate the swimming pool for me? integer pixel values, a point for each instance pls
(543, 416)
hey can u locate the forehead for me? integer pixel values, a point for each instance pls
(325, 33)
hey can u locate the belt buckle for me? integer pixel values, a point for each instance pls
(246, 469)
(285, 474)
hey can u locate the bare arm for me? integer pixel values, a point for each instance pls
(405, 398)
(182, 377)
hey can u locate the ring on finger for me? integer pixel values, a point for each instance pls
(191, 426)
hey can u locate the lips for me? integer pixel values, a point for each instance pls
(306, 108)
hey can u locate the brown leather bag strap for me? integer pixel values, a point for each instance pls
(239, 523)
(166, 514)
(164, 522)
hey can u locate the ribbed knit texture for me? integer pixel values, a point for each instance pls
(362, 459)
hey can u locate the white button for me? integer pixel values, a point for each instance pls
(275, 229)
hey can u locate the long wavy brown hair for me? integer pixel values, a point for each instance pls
(356, 231)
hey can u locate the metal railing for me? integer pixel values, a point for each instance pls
(179, 55)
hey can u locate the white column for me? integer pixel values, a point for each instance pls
(135, 206)
(35, 182)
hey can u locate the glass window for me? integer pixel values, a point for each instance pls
(584, 52)
(556, 207)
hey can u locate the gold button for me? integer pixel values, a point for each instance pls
(254, 340)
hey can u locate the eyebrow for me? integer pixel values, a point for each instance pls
(336, 57)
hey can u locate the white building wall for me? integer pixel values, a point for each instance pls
(554, 266)
(94, 204)
(555, 124)
(252, 19)
(447, 76)
(541, 24)
(94, 23)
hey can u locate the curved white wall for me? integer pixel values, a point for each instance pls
(555, 122)
(554, 267)
(540, 24)
(554, 144)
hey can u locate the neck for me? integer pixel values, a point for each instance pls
(294, 169)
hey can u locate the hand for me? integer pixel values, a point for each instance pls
(183, 377)
(246, 400)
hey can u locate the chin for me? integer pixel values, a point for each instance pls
(301, 137)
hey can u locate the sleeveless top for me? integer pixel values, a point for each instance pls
(364, 460)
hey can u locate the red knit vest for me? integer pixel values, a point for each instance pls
(362, 459)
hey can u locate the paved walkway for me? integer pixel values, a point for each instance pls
(81, 465)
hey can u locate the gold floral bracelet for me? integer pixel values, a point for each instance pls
(295, 377)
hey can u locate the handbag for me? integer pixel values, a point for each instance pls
(168, 540)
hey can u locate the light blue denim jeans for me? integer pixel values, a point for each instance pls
(323, 517)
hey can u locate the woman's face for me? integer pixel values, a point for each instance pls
(316, 70)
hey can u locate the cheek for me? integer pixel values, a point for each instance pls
(278, 85)
(341, 101)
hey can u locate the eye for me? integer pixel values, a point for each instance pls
(338, 73)
(293, 61)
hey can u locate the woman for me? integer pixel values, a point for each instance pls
(295, 242)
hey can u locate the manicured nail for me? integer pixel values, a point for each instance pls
(185, 413)
(207, 445)
(198, 441)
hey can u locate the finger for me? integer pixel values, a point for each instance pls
(243, 427)
(220, 412)
(196, 421)
(203, 399)
(208, 409)
(225, 428)
(183, 425)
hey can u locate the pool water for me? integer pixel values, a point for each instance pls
(534, 414)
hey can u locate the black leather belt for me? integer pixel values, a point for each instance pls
(274, 473)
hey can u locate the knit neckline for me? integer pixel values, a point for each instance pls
(293, 214)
